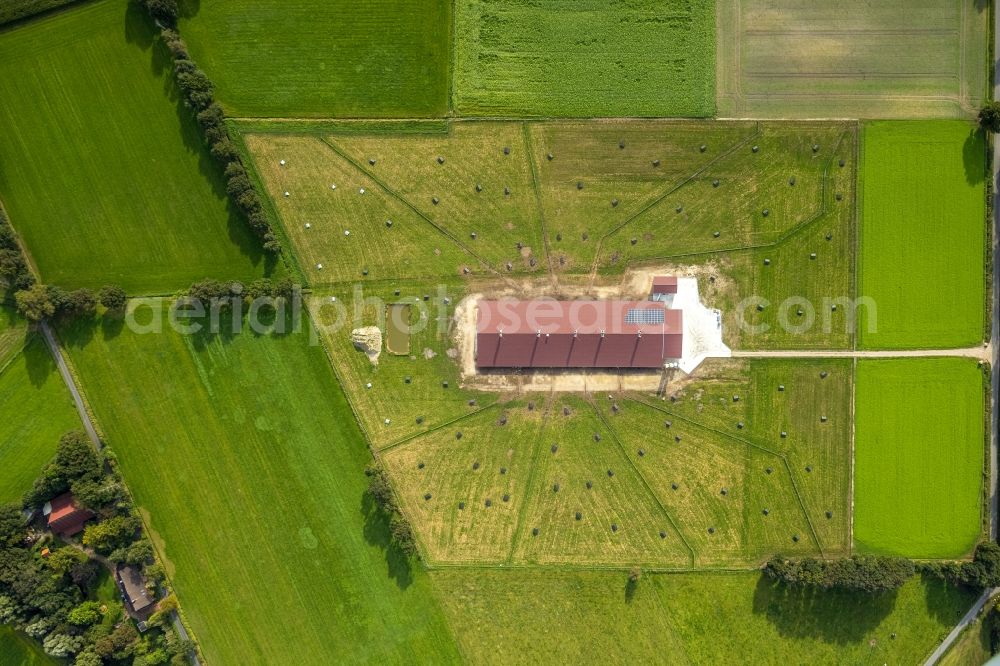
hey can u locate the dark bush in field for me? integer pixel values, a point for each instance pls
(870, 574)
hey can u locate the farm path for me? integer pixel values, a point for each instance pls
(88, 424)
(980, 353)
(966, 620)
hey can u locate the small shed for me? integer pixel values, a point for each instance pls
(133, 588)
(64, 516)
(663, 286)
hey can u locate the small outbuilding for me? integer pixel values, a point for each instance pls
(64, 516)
(132, 586)
(663, 286)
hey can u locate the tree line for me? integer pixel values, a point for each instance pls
(875, 574)
(382, 494)
(47, 584)
(198, 94)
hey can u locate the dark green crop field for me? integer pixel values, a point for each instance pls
(324, 58)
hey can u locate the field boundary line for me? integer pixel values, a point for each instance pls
(645, 483)
(655, 200)
(530, 151)
(410, 438)
(854, 430)
(406, 202)
(754, 445)
(529, 492)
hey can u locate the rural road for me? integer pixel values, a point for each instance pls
(962, 624)
(88, 425)
(994, 367)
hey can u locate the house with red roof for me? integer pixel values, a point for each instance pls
(65, 516)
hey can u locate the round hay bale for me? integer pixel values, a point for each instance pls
(473, 235)
(440, 160)
(621, 144)
(589, 484)
(715, 183)
(765, 212)
(579, 184)
(784, 434)
(435, 201)
(781, 387)
(506, 191)
(614, 203)
(679, 209)
(578, 515)
(736, 398)
(656, 163)
(791, 181)
(633, 240)
(475, 465)
(361, 190)
(472, 403)
(534, 531)
(510, 266)
(565, 411)
(702, 148)
(767, 262)
(558, 237)
(503, 470)
(407, 379)
(614, 407)
(823, 374)
(333, 186)
(420, 465)
(795, 538)
(739, 425)
(716, 234)
(585, 236)
(760, 307)
(282, 162)
(368, 385)
(388, 223)
(427, 496)
(667, 424)
(642, 452)
(611, 473)
(829, 514)
(371, 161)
(829, 236)
(465, 270)
(769, 470)
(461, 506)
(531, 406)
(506, 497)
(765, 512)
(673, 486)
(364, 271)
(506, 150)
(833, 308)
(288, 194)
(841, 163)
(724, 492)
(815, 147)
(549, 157)
(614, 527)
(597, 436)
(488, 503)
(755, 148)
(420, 420)
(555, 487)
(663, 535)
(812, 255)
(809, 469)
(479, 187)
(458, 435)
(677, 438)
(799, 312)
(554, 448)
(444, 384)
(396, 292)
(308, 225)
(822, 419)
(711, 530)
(838, 196)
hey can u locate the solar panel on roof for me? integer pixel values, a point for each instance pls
(642, 316)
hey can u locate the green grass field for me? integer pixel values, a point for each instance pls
(35, 410)
(248, 466)
(854, 59)
(17, 649)
(923, 215)
(13, 332)
(972, 646)
(584, 58)
(919, 451)
(104, 187)
(389, 58)
(528, 617)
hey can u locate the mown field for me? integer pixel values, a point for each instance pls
(19, 650)
(919, 451)
(923, 232)
(244, 458)
(526, 617)
(573, 58)
(854, 59)
(13, 10)
(35, 410)
(972, 646)
(105, 187)
(308, 58)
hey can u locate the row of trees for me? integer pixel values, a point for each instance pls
(14, 271)
(209, 289)
(875, 574)
(198, 93)
(45, 594)
(381, 492)
(40, 301)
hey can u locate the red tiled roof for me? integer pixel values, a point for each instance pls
(66, 518)
(577, 334)
(664, 284)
